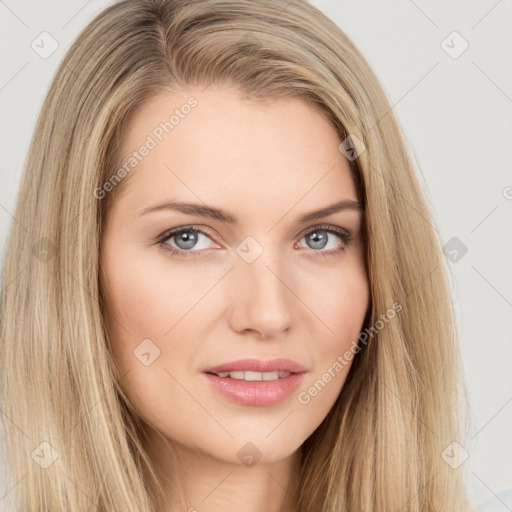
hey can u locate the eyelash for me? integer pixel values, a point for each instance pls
(181, 253)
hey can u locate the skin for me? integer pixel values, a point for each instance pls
(267, 164)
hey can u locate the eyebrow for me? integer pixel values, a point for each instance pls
(203, 210)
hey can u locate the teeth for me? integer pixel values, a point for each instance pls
(255, 375)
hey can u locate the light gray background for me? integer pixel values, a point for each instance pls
(457, 116)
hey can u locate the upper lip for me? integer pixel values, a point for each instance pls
(258, 365)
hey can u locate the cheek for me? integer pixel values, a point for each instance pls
(349, 302)
(340, 300)
(149, 299)
(146, 302)
(163, 301)
(348, 314)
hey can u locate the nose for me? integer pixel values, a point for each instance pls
(262, 296)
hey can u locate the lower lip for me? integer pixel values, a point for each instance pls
(259, 392)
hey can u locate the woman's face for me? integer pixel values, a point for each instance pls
(261, 284)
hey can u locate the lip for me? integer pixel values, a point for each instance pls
(258, 365)
(256, 393)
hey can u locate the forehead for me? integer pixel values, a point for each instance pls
(215, 144)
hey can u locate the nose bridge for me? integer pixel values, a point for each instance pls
(261, 295)
(262, 265)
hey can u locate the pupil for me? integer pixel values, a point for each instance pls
(187, 239)
(321, 239)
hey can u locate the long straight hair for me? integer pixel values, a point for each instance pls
(71, 438)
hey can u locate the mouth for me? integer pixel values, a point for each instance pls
(256, 381)
(255, 388)
(257, 369)
(253, 376)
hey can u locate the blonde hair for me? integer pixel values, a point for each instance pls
(380, 447)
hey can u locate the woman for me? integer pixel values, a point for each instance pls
(234, 294)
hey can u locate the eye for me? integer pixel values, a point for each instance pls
(186, 238)
(318, 239)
